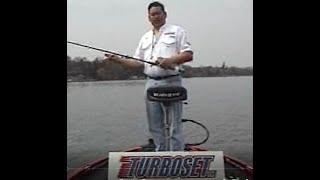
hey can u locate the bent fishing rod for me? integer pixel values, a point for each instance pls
(110, 52)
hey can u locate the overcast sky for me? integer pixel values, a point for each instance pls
(219, 30)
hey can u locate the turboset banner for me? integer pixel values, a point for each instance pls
(166, 165)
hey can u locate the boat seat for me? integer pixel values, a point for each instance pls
(167, 93)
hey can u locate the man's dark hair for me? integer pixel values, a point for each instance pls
(156, 4)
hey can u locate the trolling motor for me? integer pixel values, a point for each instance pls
(166, 95)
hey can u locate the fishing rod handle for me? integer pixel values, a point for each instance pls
(176, 68)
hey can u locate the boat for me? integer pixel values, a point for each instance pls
(98, 169)
(235, 169)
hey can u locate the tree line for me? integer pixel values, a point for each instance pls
(81, 69)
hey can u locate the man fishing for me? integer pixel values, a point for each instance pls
(166, 46)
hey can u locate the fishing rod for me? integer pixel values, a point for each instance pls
(110, 52)
(122, 55)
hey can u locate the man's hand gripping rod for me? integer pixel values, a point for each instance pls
(124, 56)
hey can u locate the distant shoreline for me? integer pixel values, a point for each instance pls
(81, 70)
(96, 80)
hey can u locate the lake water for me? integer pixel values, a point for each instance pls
(110, 116)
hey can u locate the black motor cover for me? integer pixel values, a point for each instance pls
(167, 94)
